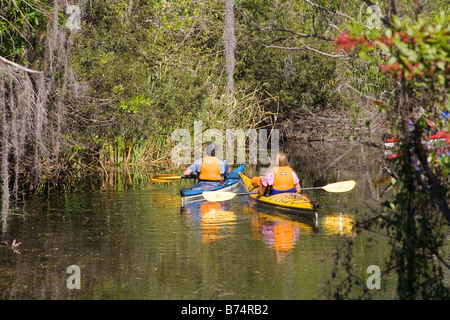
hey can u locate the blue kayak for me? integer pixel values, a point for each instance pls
(231, 183)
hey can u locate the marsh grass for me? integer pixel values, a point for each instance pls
(221, 112)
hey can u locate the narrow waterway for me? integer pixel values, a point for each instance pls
(138, 243)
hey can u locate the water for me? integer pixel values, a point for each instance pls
(138, 243)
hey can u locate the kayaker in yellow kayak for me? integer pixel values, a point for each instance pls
(210, 168)
(280, 177)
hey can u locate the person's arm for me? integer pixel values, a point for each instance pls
(296, 183)
(267, 180)
(193, 168)
(187, 172)
(226, 167)
(261, 190)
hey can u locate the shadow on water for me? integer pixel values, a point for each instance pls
(139, 243)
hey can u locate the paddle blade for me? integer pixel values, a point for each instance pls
(218, 196)
(378, 103)
(342, 186)
(160, 180)
(166, 177)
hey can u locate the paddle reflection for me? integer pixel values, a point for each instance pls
(339, 224)
(215, 219)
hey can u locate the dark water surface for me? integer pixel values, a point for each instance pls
(138, 243)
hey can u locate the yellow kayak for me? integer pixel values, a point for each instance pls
(293, 203)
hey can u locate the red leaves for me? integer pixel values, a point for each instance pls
(408, 54)
(400, 71)
(386, 41)
(405, 38)
(345, 42)
(395, 67)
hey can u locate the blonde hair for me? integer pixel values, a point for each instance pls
(280, 160)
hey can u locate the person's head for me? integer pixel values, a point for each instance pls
(211, 149)
(281, 160)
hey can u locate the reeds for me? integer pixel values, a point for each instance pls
(242, 110)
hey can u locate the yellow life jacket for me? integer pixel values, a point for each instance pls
(283, 179)
(210, 169)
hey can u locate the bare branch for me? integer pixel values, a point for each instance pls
(328, 10)
(325, 54)
(331, 24)
(303, 35)
(305, 47)
(18, 66)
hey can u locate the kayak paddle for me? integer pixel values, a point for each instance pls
(336, 187)
(160, 180)
(222, 196)
(166, 177)
(172, 177)
(342, 186)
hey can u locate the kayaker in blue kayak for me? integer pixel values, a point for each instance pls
(209, 168)
(280, 178)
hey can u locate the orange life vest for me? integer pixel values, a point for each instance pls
(283, 179)
(283, 236)
(210, 169)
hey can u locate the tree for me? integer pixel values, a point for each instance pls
(416, 54)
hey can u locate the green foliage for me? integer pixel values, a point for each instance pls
(22, 28)
(292, 80)
(160, 67)
(151, 67)
(419, 51)
(416, 54)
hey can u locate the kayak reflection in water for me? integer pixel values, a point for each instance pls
(215, 219)
(280, 235)
(279, 178)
